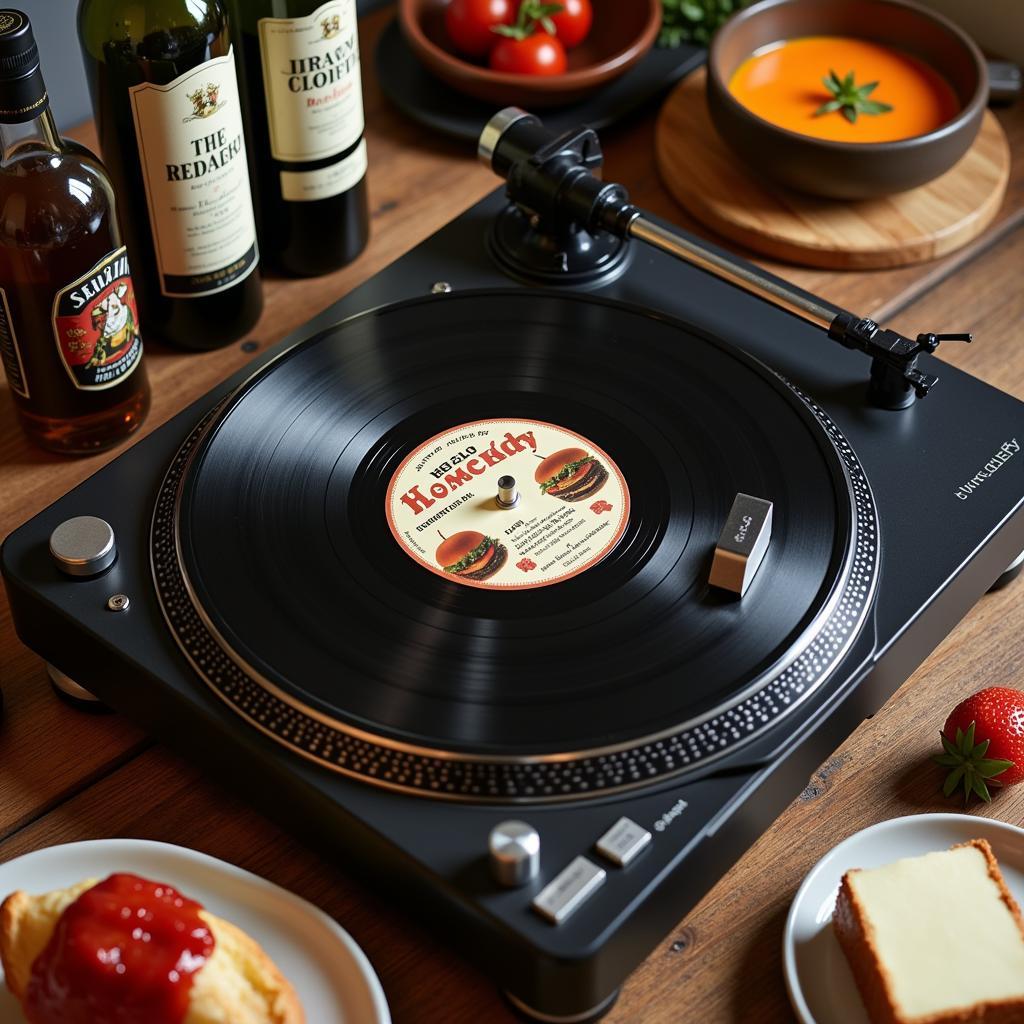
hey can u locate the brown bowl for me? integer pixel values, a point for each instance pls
(623, 32)
(847, 170)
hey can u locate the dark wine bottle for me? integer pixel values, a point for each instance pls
(305, 103)
(69, 329)
(165, 92)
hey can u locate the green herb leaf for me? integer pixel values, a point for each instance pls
(693, 21)
(849, 98)
(874, 107)
(827, 108)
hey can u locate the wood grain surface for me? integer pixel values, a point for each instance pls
(703, 174)
(66, 776)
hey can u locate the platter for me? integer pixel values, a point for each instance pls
(325, 618)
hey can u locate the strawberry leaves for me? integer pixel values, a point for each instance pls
(969, 768)
(851, 99)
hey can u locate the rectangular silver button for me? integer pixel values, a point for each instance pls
(569, 890)
(623, 841)
(743, 543)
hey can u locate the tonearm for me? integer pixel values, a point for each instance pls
(567, 214)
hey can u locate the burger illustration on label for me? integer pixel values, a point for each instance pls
(571, 475)
(473, 504)
(471, 556)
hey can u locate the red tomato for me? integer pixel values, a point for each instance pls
(538, 54)
(572, 23)
(469, 24)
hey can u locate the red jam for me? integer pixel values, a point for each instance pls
(125, 952)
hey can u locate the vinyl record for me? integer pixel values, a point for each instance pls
(311, 599)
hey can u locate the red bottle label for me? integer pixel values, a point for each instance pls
(96, 324)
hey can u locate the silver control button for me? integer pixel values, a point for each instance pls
(515, 853)
(83, 546)
(742, 545)
(622, 842)
(569, 891)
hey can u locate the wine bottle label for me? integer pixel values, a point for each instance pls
(9, 352)
(311, 82)
(192, 152)
(96, 324)
(306, 186)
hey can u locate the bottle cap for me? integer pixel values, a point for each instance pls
(22, 92)
(19, 54)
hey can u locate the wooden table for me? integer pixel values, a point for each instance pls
(67, 776)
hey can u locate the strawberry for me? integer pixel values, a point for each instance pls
(983, 740)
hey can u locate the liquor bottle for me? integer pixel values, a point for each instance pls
(305, 104)
(165, 93)
(69, 328)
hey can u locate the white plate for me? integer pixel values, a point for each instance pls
(821, 987)
(331, 974)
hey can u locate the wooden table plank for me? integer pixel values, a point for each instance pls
(725, 955)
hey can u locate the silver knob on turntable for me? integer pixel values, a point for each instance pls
(515, 853)
(83, 546)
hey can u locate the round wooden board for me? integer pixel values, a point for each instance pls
(707, 178)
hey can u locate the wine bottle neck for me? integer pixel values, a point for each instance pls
(38, 134)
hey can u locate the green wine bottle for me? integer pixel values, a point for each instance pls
(300, 74)
(165, 92)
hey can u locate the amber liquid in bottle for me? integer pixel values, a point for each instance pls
(57, 226)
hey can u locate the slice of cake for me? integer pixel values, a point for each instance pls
(936, 939)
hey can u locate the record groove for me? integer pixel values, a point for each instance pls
(650, 582)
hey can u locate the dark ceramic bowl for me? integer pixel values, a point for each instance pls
(847, 170)
(623, 32)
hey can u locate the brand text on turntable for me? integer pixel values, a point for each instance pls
(460, 468)
(1006, 452)
(670, 815)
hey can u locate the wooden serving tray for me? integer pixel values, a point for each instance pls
(708, 178)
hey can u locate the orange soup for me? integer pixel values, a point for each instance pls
(783, 84)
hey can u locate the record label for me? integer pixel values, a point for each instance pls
(442, 504)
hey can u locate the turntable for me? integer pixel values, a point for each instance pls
(536, 575)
